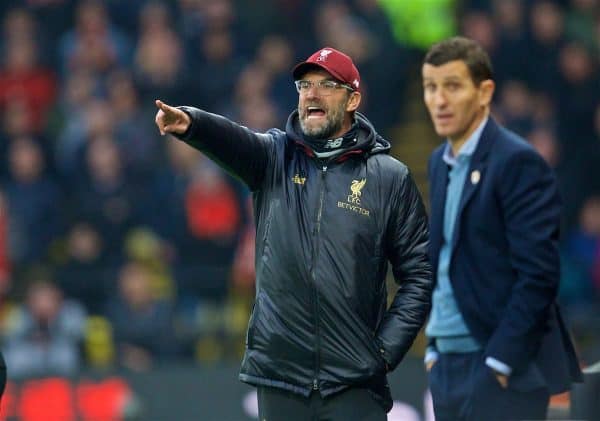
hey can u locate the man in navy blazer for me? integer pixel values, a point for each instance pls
(498, 347)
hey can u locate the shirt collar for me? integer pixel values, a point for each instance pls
(467, 149)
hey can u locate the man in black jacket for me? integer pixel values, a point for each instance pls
(332, 209)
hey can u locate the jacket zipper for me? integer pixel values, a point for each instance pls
(315, 385)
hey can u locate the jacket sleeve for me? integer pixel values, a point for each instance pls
(531, 208)
(407, 244)
(242, 152)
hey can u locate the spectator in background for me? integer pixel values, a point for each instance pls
(84, 274)
(213, 220)
(33, 203)
(51, 19)
(544, 140)
(578, 94)
(137, 141)
(578, 99)
(27, 85)
(262, 18)
(580, 287)
(510, 54)
(375, 19)
(94, 119)
(105, 195)
(28, 88)
(44, 335)
(18, 25)
(23, 79)
(259, 113)
(275, 55)
(571, 173)
(479, 26)
(516, 107)
(142, 324)
(126, 15)
(143, 246)
(94, 44)
(217, 61)
(164, 209)
(582, 252)
(217, 14)
(547, 35)
(196, 208)
(15, 122)
(159, 58)
(153, 16)
(252, 104)
(78, 88)
(252, 82)
(190, 20)
(579, 22)
(337, 26)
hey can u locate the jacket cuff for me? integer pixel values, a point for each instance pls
(431, 354)
(185, 136)
(498, 366)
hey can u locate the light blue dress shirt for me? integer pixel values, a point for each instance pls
(446, 323)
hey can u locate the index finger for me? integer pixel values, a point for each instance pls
(161, 105)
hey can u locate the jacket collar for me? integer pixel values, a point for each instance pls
(368, 140)
(468, 148)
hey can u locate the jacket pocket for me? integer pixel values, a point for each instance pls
(375, 364)
(265, 234)
(377, 347)
(268, 221)
(379, 350)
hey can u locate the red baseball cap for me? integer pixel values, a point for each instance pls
(336, 63)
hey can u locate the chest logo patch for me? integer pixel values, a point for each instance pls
(356, 188)
(352, 202)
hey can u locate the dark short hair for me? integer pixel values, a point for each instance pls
(464, 49)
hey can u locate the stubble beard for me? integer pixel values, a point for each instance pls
(332, 125)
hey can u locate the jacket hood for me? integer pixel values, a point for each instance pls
(369, 140)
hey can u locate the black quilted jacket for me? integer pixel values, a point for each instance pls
(325, 234)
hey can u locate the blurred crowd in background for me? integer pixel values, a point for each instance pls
(120, 248)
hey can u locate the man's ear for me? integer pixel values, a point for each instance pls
(486, 91)
(353, 101)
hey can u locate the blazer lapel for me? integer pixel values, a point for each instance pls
(438, 184)
(476, 173)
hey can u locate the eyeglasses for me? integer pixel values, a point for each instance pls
(324, 87)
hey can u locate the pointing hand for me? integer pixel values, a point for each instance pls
(170, 119)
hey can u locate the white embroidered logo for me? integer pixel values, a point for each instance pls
(323, 55)
(334, 143)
